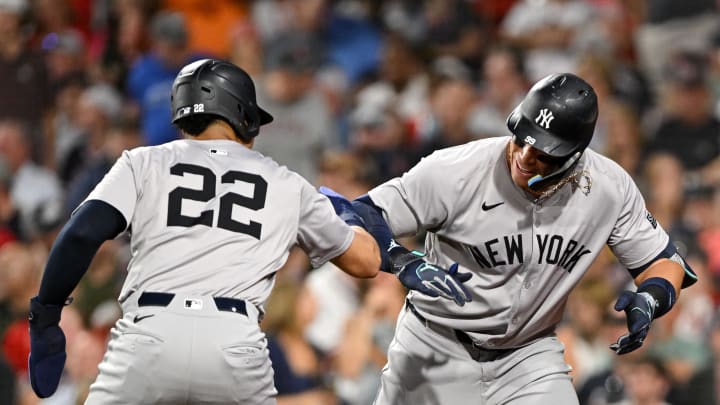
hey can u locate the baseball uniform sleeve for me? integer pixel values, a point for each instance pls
(637, 237)
(321, 234)
(118, 187)
(419, 199)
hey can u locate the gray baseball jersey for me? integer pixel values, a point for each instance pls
(217, 218)
(210, 222)
(525, 255)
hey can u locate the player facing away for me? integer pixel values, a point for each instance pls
(525, 216)
(211, 222)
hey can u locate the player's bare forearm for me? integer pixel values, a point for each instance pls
(362, 258)
(664, 268)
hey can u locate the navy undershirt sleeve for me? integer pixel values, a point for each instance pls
(92, 224)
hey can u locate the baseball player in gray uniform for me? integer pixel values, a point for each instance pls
(525, 216)
(211, 222)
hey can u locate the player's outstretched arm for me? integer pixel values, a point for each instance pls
(410, 267)
(91, 225)
(362, 258)
(658, 289)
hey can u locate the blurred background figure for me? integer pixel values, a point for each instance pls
(150, 78)
(379, 134)
(297, 367)
(20, 271)
(546, 30)
(451, 102)
(667, 26)
(685, 125)
(303, 128)
(647, 383)
(503, 85)
(367, 334)
(32, 185)
(23, 73)
(582, 333)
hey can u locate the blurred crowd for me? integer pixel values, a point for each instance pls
(360, 91)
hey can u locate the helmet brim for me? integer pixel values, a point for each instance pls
(543, 140)
(265, 117)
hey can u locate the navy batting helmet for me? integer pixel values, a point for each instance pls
(218, 88)
(557, 116)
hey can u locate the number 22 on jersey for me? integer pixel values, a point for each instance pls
(227, 200)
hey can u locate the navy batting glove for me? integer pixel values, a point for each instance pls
(639, 309)
(417, 274)
(343, 207)
(47, 348)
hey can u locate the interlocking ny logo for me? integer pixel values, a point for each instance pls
(544, 118)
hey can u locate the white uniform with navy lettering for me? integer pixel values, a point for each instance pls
(525, 254)
(207, 219)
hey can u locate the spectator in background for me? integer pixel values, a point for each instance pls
(597, 70)
(23, 76)
(97, 107)
(546, 30)
(664, 194)
(703, 387)
(209, 23)
(303, 128)
(121, 134)
(63, 135)
(709, 238)
(101, 286)
(610, 39)
(362, 351)
(378, 134)
(32, 184)
(20, 271)
(608, 386)
(150, 78)
(451, 102)
(297, 368)
(52, 17)
(681, 352)
(403, 73)
(503, 85)
(646, 383)
(686, 127)
(9, 217)
(246, 48)
(669, 26)
(126, 37)
(337, 295)
(624, 140)
(585, 344)
(64, 56)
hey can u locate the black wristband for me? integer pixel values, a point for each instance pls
(662, 291)
(400, 257)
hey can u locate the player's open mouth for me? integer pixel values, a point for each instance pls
(522, 171)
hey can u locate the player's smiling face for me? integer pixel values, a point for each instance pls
(525, 162)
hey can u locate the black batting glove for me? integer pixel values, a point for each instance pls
(417, 274)
(47, 348)
(639, 309)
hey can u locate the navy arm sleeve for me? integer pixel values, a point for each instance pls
(92, 224)
(377, 227)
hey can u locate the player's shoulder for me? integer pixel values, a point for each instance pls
(600, 163)
(602, 168)
(474, 153)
